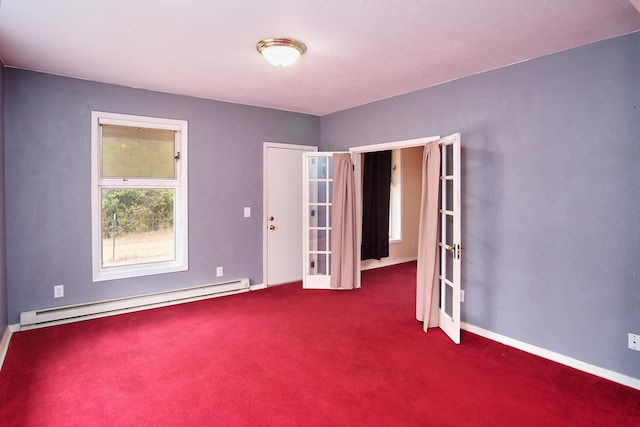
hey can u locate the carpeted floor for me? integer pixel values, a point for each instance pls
(291, 357)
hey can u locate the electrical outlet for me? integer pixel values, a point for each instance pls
(58, 291)
(634, 341)
(461, 295)
(219, 272)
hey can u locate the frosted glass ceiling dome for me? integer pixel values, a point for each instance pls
(281, 52)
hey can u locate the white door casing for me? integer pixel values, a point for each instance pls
(282, 223)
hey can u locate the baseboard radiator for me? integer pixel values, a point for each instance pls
(91, 310)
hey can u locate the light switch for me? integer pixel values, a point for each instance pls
(247, 212)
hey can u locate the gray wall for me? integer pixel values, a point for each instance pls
(48, 191)
(3, 271)
(551, 193)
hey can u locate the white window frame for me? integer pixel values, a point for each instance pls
(179, 184)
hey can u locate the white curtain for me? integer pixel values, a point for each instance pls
(343, 224)
(427, 289)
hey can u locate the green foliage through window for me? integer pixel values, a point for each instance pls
(136, 210)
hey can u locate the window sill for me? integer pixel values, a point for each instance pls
(138, 271)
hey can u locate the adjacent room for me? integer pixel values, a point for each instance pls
(169, 201)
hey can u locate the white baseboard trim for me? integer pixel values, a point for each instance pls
(4, 343)
(387, 263)
(257, 287)
(556, 357)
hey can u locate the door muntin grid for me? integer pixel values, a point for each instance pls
(319, 198)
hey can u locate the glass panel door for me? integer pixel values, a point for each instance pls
(450, 230)
(317, 198)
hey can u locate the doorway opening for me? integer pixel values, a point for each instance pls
(438, 251)
(407, 250)
(438, 281)
(404, 209)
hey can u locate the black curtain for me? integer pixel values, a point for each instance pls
(376, 187)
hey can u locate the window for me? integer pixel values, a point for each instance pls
(139, 195)
(395, 202)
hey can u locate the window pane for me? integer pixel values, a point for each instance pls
(312, 264)
(448, 194)
(318, 264)
(448, 167)
(321, 217)
(448, 300)
(448, 268)
(130, 152)
(137, 226)
(448, 228)
(322, 240)
(318, 191)
(318, 167)
(313, 240)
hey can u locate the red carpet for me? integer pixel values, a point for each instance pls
(288, 357)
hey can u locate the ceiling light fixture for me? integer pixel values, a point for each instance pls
(281, 52)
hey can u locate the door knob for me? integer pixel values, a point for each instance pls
(270, 218)
(272, 227)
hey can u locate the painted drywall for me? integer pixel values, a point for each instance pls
(3, 271)
(48, 167)
(407, 247)
(551, 193)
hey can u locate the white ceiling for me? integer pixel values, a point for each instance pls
(359, 51)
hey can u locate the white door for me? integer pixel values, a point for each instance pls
(317, 195)
(450, 230)
(283, 222)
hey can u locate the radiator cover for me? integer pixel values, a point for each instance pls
(91, 310)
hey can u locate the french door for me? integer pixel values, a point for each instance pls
(317, 201)
(317, 194)
(450, 237)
